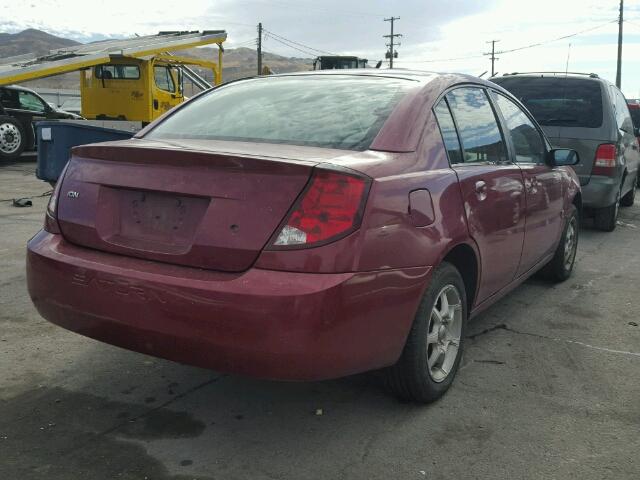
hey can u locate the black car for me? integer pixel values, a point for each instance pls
(19, 108)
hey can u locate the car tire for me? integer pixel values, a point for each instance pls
(561, 265)
(629, 199)
(606, 218)
(13, 138)
(433, 349)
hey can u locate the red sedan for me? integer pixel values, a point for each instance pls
(309, 226)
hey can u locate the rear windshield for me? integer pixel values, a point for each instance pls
(558, 101)
(344, 112)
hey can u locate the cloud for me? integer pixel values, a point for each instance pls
(431, 29)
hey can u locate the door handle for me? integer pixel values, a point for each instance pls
(155, 103)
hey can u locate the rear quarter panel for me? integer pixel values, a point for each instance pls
(388, 237)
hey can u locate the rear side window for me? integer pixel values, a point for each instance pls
(118, 72)
(527, 141)
(337, 111)
(448, 131)
(623, 117)
(558, 101)
(477, 125)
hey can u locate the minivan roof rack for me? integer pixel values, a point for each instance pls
(591, 75)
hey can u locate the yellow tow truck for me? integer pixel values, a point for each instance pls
(124, 84)
(132, 79)
(137, 89)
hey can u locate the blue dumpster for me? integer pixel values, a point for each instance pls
(55, 139)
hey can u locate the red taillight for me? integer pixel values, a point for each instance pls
(605, 162)
(51, 216)
(330, 208)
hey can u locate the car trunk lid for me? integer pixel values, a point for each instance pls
(171, 203)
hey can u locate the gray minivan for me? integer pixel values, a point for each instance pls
(590, 115)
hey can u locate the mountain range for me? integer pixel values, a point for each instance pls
(237, 62)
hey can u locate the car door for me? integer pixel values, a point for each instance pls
(543, 184)
(492, 188)
(165, 93)
(627, 142)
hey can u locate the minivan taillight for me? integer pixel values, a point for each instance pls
(51, 216)
(605, 162)
(329, 208)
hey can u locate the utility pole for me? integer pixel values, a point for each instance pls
(260, 48)
(493, 56)
(619, 70)
(390, 53)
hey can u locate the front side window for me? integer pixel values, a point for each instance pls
(477, 125)
(527, 141)
(337, 111)
(28, 101)
(9, 98)
(448, 131)
(163, 78)
(623, 117)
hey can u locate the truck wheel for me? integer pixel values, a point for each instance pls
(561, 265)
(433, 350)
(12, 137)
(629, 199)
(606, 218)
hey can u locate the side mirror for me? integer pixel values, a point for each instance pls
(561, 157)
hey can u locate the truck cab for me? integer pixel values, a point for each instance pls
(338, 62)
(134, 89)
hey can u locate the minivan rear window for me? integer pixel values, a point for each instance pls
(558, 101)
(331, 111)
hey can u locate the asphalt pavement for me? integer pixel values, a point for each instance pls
(549, 389)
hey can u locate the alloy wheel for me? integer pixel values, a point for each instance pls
(10, 138)
(570, 243)
(444, 332)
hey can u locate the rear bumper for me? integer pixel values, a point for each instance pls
(600, 192)
(260, 323)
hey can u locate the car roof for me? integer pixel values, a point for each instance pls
(17, 87)
(421, 76)
(578, 75)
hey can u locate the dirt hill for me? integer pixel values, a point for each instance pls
(31, 41)
(237, 62)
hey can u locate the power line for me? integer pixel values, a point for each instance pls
(244, 43)
(297, 43)
(564, 37)
(306, 52)
(632, 23)
(524, 47)
(436, 60)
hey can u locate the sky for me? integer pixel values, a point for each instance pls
(437, 35)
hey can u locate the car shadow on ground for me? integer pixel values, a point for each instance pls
(137, 410)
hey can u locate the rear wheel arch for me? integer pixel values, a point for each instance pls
(577, 201)
(466, 260)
